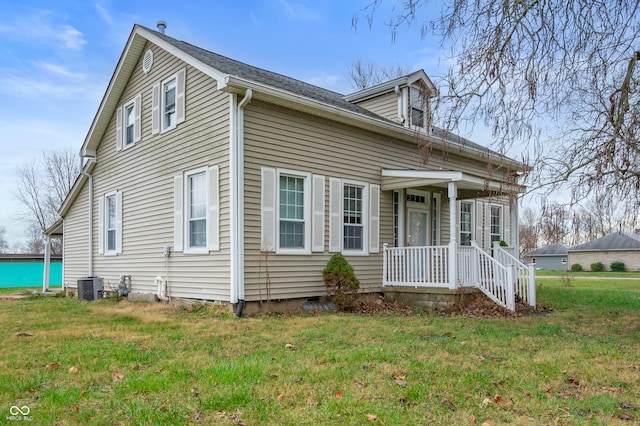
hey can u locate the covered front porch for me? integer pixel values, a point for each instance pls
(423, 262)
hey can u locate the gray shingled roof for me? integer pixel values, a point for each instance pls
(269, 78)
(550, 250)
(614, 241)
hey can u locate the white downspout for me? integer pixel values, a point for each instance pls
(236, 160)
(92, 159)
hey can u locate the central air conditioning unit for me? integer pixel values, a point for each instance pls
(89, 288)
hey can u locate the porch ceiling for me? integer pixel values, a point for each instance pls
(402, 179)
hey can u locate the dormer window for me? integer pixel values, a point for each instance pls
(418, 107)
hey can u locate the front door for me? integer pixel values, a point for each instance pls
(418, 227)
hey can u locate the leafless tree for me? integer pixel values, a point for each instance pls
(43, 185)
(35, 241)
(365, 74)
(562, 72)
(4, 245)
(554, 223)
(528, 230)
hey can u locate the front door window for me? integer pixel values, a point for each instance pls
(418, 235)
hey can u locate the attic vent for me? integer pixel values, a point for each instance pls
(147, 61)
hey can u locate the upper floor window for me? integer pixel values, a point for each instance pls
(418, 106)
(168, 103)
(128, 129)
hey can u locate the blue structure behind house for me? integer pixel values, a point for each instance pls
(553, 257)
(26, 270)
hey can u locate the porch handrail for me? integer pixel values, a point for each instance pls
(415, 266)
(491, 277)
(524, 276)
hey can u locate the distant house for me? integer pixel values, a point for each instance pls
(615, 247)
(26, 270)
(207, 178)
(552, 257)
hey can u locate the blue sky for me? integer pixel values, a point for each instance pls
(56, 59)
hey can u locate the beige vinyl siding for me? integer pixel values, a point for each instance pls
(282, 138)
(145, 175)
(76, 240)
(631, 258)
(385, 105)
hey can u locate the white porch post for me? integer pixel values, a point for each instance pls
(47, 263)
(453, 232)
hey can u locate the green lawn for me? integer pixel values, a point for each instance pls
(108, 362)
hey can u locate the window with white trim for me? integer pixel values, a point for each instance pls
(168, 103)
(196, 211)
(353, 217)
(496, 224)
(466, 222)
(128, 126)
(110, 223)
(293, 216)
(417, 107)
(292, 211)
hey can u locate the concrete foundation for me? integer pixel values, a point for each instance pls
(429, 298)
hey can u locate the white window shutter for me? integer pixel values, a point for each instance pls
(268, 210)
(119, 129)
(180, 88)
(487, 225)
(506, 224)
(335, 215)
(101, 225)
(213, 221)
(374, 218)
(137, 107)
(155, 109)
(177, 213)
(317, 225)
(119, 222)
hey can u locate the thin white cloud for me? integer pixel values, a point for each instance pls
(32, 88)
(297, 11)
(60, 71)
(40, 25)
(104, 14)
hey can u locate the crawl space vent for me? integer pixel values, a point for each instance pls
(147, 61)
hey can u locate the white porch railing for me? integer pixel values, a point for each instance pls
(524, 275)
(416, 266)
(488, 275)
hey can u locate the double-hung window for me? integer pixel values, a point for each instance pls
(466, 222)
(496, 223)
(110, 223)
(353, 217)
(128, 128)
(196, 211)
(417, 105)
(168, 103)
(293, 212)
